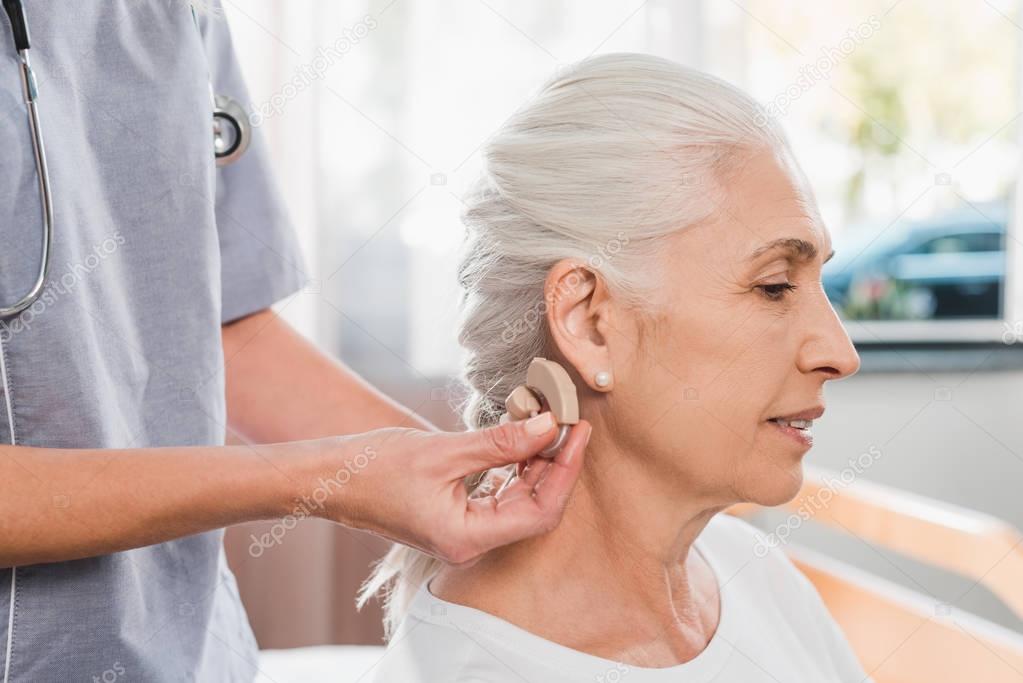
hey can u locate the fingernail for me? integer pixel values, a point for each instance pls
(589, 433)
(541, 424)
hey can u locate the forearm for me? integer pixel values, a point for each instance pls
(280, 387)
(64, 504)
(402, 484)
(58, 504)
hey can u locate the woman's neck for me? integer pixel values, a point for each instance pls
(620, 558)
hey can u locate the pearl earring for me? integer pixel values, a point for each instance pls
(602, 378)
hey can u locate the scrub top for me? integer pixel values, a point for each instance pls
(154, 249)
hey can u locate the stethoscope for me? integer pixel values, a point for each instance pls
(231, 137)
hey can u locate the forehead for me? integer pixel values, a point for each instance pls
(768, 198)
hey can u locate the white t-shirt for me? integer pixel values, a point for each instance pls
(773, 627)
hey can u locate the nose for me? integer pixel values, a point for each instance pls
(827, 348)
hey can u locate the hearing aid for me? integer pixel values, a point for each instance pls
(547, 387)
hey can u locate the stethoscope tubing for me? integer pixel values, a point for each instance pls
(225, 110)
(29, 92)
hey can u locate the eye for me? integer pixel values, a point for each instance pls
(776, 291)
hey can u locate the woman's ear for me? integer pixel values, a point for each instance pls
(579, 318)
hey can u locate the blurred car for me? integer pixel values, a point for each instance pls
(948, 266)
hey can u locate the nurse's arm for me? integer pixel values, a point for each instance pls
(280, 387)
(337, 452)
(64, 504)
(399, 483)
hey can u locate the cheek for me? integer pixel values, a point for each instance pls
(703, 380)
(688, 409)
(749, 363)
(709, 382)
(727, 361)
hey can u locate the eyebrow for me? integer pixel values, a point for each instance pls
(801, 249)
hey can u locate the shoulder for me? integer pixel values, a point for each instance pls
(759, 576)
(746, 556)
(422, 652)
(441, 641)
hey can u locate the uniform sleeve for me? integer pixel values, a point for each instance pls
(261, 262)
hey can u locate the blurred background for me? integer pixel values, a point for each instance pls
(904, 114)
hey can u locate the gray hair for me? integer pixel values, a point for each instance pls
(611, 155)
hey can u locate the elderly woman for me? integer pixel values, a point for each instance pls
(646, 226)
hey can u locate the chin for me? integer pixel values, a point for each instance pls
(779, 485)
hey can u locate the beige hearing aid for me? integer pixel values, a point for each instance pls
(547, 387)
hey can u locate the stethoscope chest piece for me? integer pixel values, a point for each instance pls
(232, 131)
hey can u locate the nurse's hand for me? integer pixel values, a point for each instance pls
(406, 485)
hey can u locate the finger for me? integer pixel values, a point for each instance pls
(553, 490)
(504, 444)
(533, 470)
(530, 474)
(491, 522)
(525, 481)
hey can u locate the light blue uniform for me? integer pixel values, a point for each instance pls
(154, 249)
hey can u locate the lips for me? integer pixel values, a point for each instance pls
(798, 426)
(810, 414)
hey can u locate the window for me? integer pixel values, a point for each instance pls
(905, 116)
